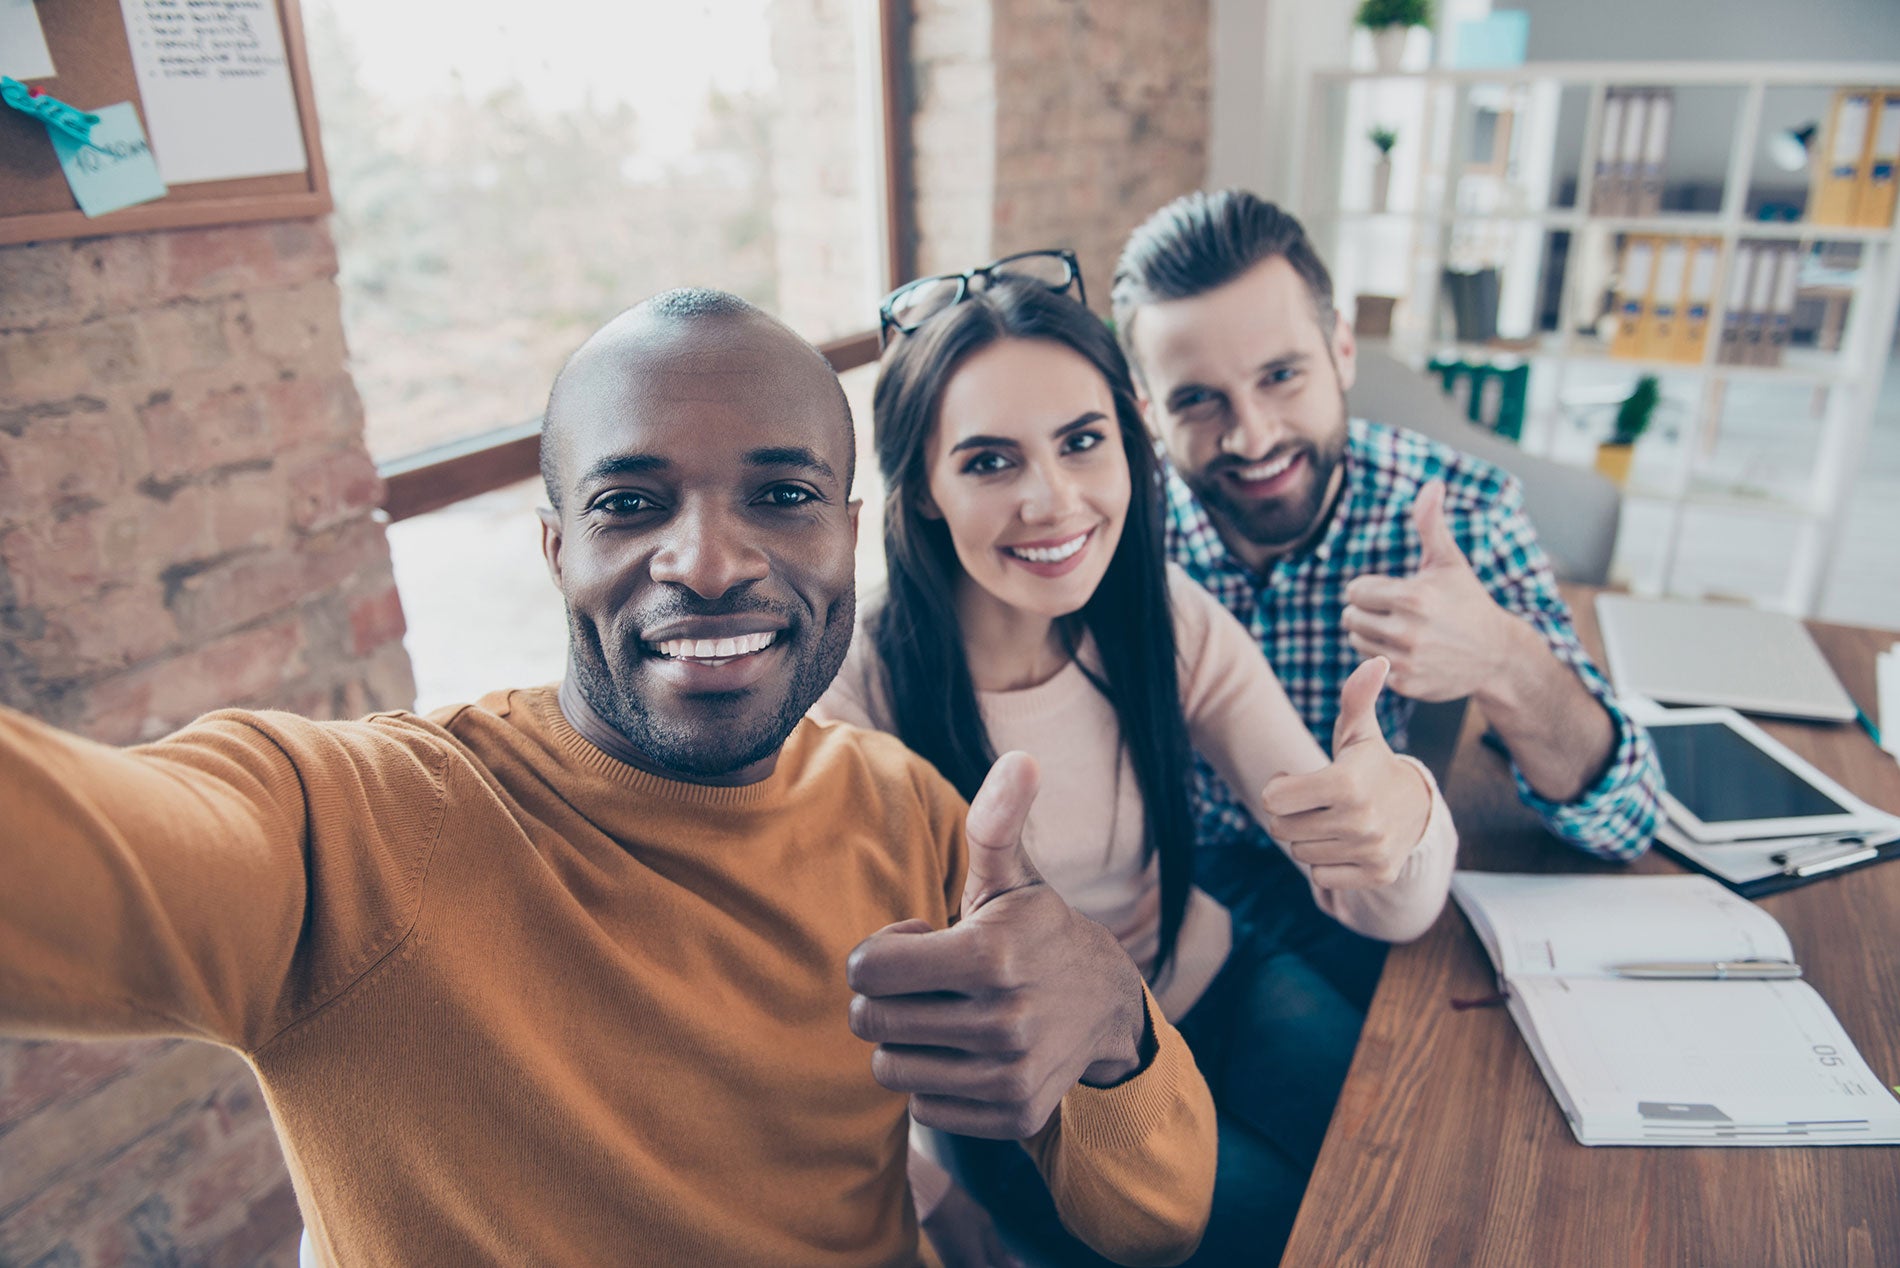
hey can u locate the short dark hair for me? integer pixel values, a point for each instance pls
(1204, 240)
(678, 306)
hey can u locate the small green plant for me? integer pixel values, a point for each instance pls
(1385, 138)
(1633, 415)
(1375, 15)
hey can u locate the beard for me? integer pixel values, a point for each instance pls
(711, 735)
(1279, 523)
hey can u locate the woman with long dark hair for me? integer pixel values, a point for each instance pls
(1029, 607)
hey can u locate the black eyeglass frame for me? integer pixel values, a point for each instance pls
(887, 319)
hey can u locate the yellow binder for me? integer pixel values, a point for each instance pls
(1698, 300)
(1836, 193)
(1632, 295)
(1657, 337)
(1878, 178)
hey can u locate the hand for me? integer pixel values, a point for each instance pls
(1356, 821)
(1440, 628)
(988, 1025)
(964, 1234)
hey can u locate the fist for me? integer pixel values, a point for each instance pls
(1440, 629)
(987, 1025)
(1355, 822)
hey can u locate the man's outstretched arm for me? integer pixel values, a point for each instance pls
(165, 889)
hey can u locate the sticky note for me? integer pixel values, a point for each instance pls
(23, 52)
(117, 169)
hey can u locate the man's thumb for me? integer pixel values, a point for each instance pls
(994, 829)
(1434, 535)
(1358, 719)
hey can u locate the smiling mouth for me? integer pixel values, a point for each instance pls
(713, 651)
(1261, 472)
(1053, 554)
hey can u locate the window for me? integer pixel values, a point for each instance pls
(507, 177)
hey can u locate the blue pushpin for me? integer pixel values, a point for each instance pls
(55, 113)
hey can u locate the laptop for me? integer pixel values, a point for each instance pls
(1678, 652)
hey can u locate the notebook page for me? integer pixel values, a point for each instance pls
(1582, 925)
(1703, 1063)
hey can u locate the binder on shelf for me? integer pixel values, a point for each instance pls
(1657, 338)
(1629, 153)
(1648, 195)
(1632, 296)
(1603, 192)
(1761, 305)
(1735, 305)
(1878, 178)
(1698, 296)
(1781, 317)
(1836, 193)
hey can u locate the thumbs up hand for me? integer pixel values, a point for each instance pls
(988, 1024)
(1356, 821)
(1441, 630)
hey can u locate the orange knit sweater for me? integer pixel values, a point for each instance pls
(515, 1002)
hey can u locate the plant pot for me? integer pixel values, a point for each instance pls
(1388, 47)
(1381, 182)
(1613, 462)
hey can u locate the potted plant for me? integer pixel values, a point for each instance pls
(1632, 420)
(1382, 138)
(1390, 21)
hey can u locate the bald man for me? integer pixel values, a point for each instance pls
(645, 969)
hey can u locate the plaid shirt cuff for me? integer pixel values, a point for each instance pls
(1614, 819)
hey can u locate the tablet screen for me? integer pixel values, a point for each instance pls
(1722, 778)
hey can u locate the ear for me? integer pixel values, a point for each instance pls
(1147, 408)
(1345, 352)
(855, 509)
(927, 506)
(551, 542)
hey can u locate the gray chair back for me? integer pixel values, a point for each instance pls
(1575, 512)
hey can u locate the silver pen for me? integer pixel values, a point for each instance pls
(1716, 971)
(1828, 862)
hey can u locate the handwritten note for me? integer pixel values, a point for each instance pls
(23, 51)
(113, 170)
(215, 84)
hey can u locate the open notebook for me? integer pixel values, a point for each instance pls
(1670, 1062)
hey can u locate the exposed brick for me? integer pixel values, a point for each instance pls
(376, 619)
(35, 1073)
(308, 409)
(37, 286)
(189, 335)
(297, 326)
(332, 487)
(186, 436)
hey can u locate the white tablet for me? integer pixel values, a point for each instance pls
(1725, 779)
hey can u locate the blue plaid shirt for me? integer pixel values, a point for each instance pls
(1295, 614)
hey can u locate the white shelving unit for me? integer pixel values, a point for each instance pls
(1442, 209)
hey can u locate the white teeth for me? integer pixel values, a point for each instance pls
(1050, 554)
(1266, 470)
(715, 649)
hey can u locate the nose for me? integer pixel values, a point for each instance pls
(1252, 432)
(1050, 495)
(709, 551)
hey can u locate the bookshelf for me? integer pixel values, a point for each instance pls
(1496, 167)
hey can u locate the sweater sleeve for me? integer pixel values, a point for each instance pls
(1240, 720)
(215, 884)
(1131, 1168)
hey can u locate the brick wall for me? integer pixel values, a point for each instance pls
(185, 522)
(1053, 123)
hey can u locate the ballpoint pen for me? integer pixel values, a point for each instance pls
(1719, 970)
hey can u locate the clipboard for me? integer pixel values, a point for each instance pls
(1708, 860)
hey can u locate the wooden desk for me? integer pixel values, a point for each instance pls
(1448, 1148)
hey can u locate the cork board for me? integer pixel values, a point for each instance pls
(92, 54)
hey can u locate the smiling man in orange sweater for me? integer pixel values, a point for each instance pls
(643, 970)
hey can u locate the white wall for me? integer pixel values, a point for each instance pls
(1263, 52)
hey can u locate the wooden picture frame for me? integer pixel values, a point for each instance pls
(93, 56)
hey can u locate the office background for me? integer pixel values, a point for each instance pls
(198, 427)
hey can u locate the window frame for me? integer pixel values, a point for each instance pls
(445, 474)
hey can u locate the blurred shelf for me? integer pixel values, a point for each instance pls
(1686, 224)
(1824, 370)
(1642, 74)
(1716, 497)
